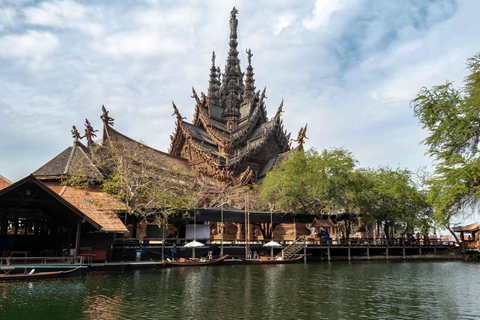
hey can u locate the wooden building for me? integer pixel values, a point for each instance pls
(469, 235)
(230, 134)
(101, 208)
(36, 220)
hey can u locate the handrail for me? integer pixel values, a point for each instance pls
(357, 242)
(41, 260)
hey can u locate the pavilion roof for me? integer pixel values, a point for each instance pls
(64, 163)
(468, 228)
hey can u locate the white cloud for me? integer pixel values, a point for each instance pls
(155, 33)
(352, 84)
(140, 44)
(63, 14)
(7, 17)
(324, 9)
(31, 47)
(283, 21)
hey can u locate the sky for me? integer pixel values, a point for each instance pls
(348, 68)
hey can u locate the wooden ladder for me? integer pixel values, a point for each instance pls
(291, 250)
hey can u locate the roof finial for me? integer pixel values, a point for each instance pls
(89, 132)
(177, 113)
(280, 110)
(250, 55)
(106, 119)
(75, 134)
(234, 12)
(302, 135)
(213, 59)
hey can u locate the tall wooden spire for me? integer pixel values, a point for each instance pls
(213, 84)
(249, 81)
(232, 78)
(230, 135)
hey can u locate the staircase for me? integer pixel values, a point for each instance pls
(290, 251)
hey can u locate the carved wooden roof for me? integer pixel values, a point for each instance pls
(230, 134)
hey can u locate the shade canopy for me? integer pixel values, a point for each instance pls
(194, 244)
(231, 214)
(272, 244)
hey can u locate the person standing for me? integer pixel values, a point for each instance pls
(174, 251)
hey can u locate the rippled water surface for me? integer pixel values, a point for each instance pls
(357, 290)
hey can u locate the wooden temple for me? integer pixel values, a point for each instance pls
(230, 135)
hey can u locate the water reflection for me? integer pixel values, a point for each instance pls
(373, 290)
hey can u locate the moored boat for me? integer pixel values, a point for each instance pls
(37, 275)
(193, 262)
(272, 260)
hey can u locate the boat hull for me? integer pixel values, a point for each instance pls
(39, 275)
(196, 263)
(258, 261)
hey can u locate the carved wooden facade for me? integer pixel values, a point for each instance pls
(230, 135)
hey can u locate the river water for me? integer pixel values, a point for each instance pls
(337, 290)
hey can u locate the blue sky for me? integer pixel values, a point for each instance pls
(349, 68)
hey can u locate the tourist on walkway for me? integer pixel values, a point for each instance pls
(174, 251)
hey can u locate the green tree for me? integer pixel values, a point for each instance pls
(141, 178)
(315, 182)
(392, 200)
(452, 118)
(311, 182)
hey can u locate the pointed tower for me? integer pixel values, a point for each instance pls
(249, 92)
(213, 84)
(230, 136)
(232, 82)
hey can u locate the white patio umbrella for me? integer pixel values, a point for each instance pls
(272, 244)
(194, 244)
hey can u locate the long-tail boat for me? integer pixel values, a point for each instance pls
(272, 260)
(194, 262)
(37, 275)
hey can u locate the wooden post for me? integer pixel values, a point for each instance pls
(294, 228)
(435, 250)
(420, 250)
(222, 230)
(163, 238)
(387, 253)
(77, 238)
(404, 256)
(304, 249)
(368, 253)
(349, 258)
(328, 252)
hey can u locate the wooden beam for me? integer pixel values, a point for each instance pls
(77, 238)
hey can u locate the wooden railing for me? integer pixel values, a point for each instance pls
(310, 242)
(12, 261)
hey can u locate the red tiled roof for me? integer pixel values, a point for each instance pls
(4, 182)
(95, 204)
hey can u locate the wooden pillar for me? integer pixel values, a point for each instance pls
(404, 256)
(294, 228)
(77, 238)
(328, 252)
(349, 258)
(305, 249)
(222, 232)
(434, 250)
(420, 250)
(239, 231)
(387, 253)
(368, 253)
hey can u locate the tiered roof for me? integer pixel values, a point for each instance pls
(230, 134)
